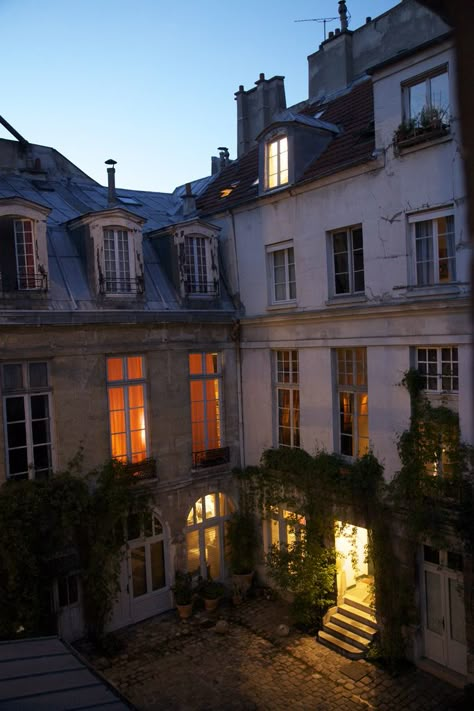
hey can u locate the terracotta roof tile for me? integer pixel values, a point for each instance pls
(352, 111)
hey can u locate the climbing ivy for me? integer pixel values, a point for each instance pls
(432, 491)
(44, 522)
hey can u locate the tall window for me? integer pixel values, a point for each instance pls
(348, 261)
(147, 554)
(126, 393)
(117, 261)
(425, 95)
(27, 417)
(25, 255)
(205, 390)
(439, 368)
(196, 267)
(277, 162)
(287, 398)
(434, 250)
(205, 535)
(353, 403)
(282, 272)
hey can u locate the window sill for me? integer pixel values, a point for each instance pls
(416, 143)
(283, 306)
(453, 287)
(342, 299)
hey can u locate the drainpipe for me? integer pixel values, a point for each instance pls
(240, 405)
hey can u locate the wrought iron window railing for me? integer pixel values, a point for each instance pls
(146, 469)
(202, 288)
(29, 281)
(211, 457)
(133, 287)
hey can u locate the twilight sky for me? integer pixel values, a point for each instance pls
(151, 83)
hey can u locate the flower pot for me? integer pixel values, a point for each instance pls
(242, 582)
(185, 611)
(211, 604)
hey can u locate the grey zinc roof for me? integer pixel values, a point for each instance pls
(44, 674)
(72, 195)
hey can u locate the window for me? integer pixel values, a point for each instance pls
(205, 535)
(282, 528)
(439, 368)
(206, 416)
(435, 254)
(147, 554)
(126, 395)
(276, 162)
(287, 398)
(427, 96)
(348, 261)
(19, 264)
(282, 273)
(353, 404)
(117, 261)
(196, 267)
(27, 417)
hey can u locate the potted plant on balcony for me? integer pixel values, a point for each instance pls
(242, 540)
(211, 591)
(183, 594)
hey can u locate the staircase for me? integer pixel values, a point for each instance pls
(350, 629)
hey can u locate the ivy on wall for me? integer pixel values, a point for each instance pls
(43, 523)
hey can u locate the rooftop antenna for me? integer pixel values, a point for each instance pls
(324, 20)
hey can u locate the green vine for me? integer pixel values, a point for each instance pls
(43, 523)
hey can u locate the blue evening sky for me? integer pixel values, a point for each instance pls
(151, 83)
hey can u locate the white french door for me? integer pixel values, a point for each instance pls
(444, 618)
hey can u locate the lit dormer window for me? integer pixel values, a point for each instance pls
(276, 162)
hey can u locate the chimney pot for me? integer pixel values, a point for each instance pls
(368, 19)
(343, 15)
(262, 76)
(111, 196)
(331, 35)
(241, 87)
(337, 31)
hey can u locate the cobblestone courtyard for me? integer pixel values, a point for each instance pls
(173, 665)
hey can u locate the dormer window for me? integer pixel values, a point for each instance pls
(276, 162)
(117, 262)
(196, 266)
(195, 248)
(23, 252)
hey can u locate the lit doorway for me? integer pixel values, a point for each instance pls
(354, 571)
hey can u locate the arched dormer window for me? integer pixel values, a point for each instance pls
(198, 265)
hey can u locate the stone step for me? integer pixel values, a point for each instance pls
(339, 646)
(353, 625)
(346, 636)
(354, 602)
(359, 615)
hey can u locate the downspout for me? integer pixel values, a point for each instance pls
(236, 337)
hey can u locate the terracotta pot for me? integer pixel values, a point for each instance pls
(185, 611)
(242, 582)
(211, 605)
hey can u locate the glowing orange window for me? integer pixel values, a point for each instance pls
(127, 416)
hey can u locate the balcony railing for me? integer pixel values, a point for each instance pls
(146, 469)
(132, 287)
(28, 281)
(211, 457)
(196, 287)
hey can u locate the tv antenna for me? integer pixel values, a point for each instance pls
(324, 20)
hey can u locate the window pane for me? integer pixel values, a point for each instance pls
(440, 93)
(212, 551)
(434, 607)
(16, 434)
(193, 552)
(115, 369)
(135, 396)
(13, 376)
(18, 461)
(117, 422)
(417, 99)
(157, 560)
(139, 581)
(38, 375)
(456, 613)
(39, 406)
(40, 431)
(195, 363)
(137, 419)
(210, 505)
(211, 363)
(135, 368)
(42, 457)
(116, 399)
(119, 446)
(15, 409)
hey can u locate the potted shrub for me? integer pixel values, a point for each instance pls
(242, 539)
(183, 594)
(211, 592)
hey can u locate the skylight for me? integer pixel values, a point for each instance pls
(129, 200)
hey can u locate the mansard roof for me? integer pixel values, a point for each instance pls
(351, 111)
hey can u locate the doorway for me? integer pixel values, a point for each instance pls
(353, 569)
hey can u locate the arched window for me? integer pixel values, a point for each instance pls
(205, 535)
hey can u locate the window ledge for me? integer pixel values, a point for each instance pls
(342, 299)
(283, 306)
(417, 143)
(453, 287)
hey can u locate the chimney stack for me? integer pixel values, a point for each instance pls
(112, 196)
(189, 201)
(256, 108)
(343, 15)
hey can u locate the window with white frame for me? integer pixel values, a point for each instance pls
(127, 416)
(287, 398)
(352, 399)
(439, 368)
(434, 248)
(276, 162)
(348, 261)
(205, 535)
(282, 528)
(282, 272)
(27, 417)
(117, 261)
(205, 381)
(427, 97)
(146, 546)
(196, 266)
(20, 268)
